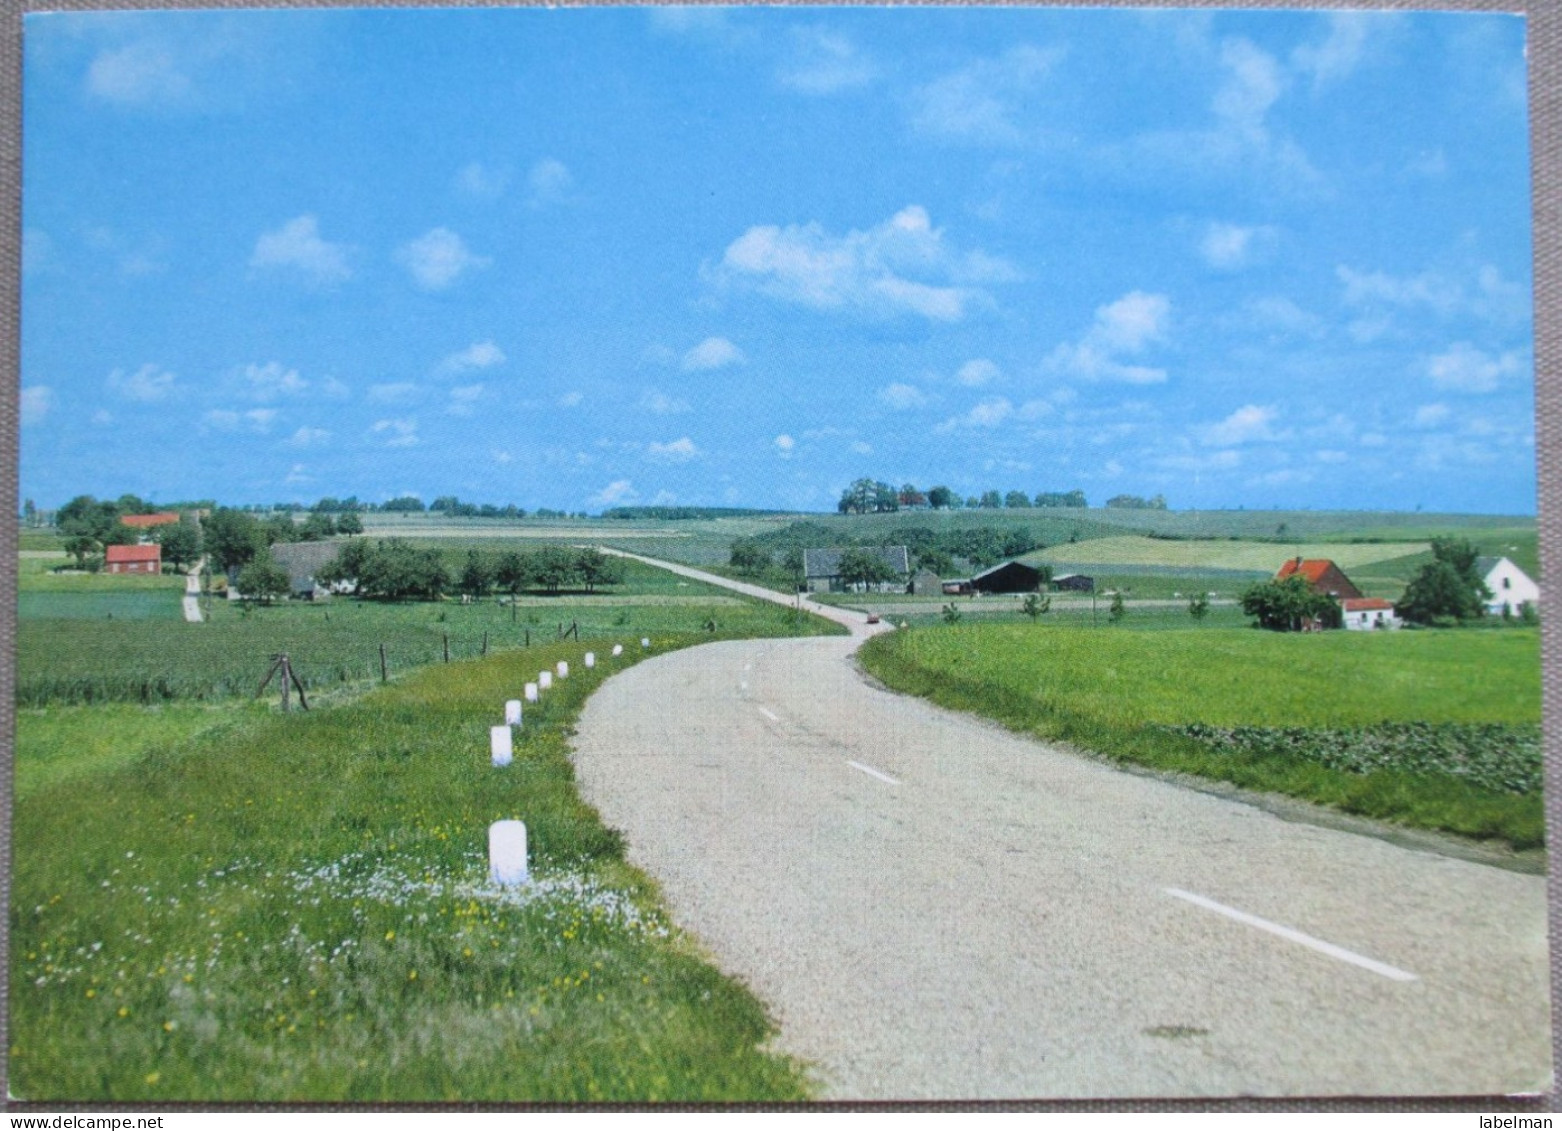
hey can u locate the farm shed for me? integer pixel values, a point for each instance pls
(1363, 614)
(133, 559)
(1510, 586)
(926, 584)
(1322, 575)
(1074, 583)
(822, 568)
(303, 560)
(1010, 577)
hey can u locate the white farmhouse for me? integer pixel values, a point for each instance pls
(1364, 614)
(1510, 586)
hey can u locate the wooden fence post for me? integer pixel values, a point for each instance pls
(485, 643)
(384, 672)
(446, 635)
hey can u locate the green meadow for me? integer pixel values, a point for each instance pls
(1436, 729)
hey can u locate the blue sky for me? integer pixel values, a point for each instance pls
(581, 258)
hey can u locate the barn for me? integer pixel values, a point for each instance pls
(822, 568)
(133, 559)
(1074, 583)
(1010, 577)
(1322, 575)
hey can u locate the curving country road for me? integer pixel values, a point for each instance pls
(936, 908)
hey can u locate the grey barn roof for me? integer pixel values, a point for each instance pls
(827, 563)
(303, 560)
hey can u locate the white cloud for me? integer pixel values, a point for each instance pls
(478, 355)
(438, 258)
(1465, 369)
(142, 73)
(981, 103)
(681, 450)
(902, 266)
(977, 371)
(401, 433)
(36, 402)
(1249, 424)
(899, 395)
(228, 420)
(272, 380)
(785, 444)
(477, 180)
(861, 448)
(309, 437)
(297, 474)
(296, 246)
(1341, 50)
(1230, 247)
(571, 399)
(1431, 415)
(502, 458)
(1127, 326)
(824, 62)
(713, 353)
(463, 398)
(550, 182)
(661, 404)
(988, 414)
(1331, 455)
(147, 384)
(392, 392)
(1431, 290)
(617, 492)
(1254, 83)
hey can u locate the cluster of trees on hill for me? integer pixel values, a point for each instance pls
(392, 570)
(405, 504)
(89, 526)
(675, 513)
(1135, 503)
(980, 546)
(873, 496)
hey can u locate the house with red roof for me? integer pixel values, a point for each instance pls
(1363, 614)
(133, 559)
(1322, 575)
(147, 521)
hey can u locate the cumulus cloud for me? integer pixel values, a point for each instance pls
(148, 384)
(981, 103)
(296, 247)
(1340, 51)
(902, 266)
(272, 380)
(228, 420)
(463, 399)
(1230, 247)
(899, 395)
(1431, 290)
(437, 258)
(36, 402)
(681, 450)
(615, 493)
(571, 399)
(392, 392)
(142, 73)
(712, 353)
(661, 404)
(477, 180)
(988, 414)
(478, 355)
(977, 371)
(1122, 328)
(785, 444)
(550, 182)
(1465, 369)
(401, 433)
(309, 437)
(1431, 415)
(1249, 424)
(824, 62)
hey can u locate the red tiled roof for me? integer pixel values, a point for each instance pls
(133, 554)
(1365, 604)
(141, 521)
(1312, 569)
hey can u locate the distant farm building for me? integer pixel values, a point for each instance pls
(303, 561)
(1368, 613)
(1322, 575)
(133, 559)
(147, 521)
(1511, 588)
(1074, 583)
(822, 569)
(926, 584)
(1009, 577)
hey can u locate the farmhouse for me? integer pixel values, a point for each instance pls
(1322, 575)
(822, 569)
(926, 584)
(1510, 586)
(303, 560)
(1367, 613)
(133, 559)
(147, 521)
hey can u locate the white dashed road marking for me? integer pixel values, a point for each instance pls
(871, 772)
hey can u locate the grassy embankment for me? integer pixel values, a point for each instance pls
(1139, 697)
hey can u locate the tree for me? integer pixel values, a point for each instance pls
(263, 580)
(317, 527)
(937, 561)
(233, 538)
(409, 503)
(941, 498)
(553, 567)
(991, 500)
(1289, 605)
(394, 571)
(910, 497)
(1198, 607)
(596, 568)
(1446, 589)
(349, 523)
(1117, 610)
(281, 528)
(476, 578)
(512, 574)
(181, 543)
(885, 498)
(951, 614)
(1016, 500)
(749, 557)
(865, 568)
(1035, 605)
(88, 525)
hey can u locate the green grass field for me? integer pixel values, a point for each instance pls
(1122, 693)
(295, 907)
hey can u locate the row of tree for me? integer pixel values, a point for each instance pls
(873, 496)
(935, 550)
(392, 570)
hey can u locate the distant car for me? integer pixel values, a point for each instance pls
(873, 618)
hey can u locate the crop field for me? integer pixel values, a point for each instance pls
(296, 908)
(1134, 550)
(1310, 715)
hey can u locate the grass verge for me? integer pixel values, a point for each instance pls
(298, 909)
(1117, 693)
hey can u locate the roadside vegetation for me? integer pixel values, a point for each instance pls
(1307, 715)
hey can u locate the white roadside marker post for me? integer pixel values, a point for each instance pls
(591, 659)
(501, 744)
(544, 680)
(507, 852)
(645, 642)
(531, 693)
(512, 712)
(618, 649)
(563, 669)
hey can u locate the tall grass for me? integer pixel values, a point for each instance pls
(299, 911)
(1122, 693)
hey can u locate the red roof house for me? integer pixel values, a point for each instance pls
(133, 559)
(1322, 575)
(146, 521)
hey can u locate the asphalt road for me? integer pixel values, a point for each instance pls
(935, 908)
